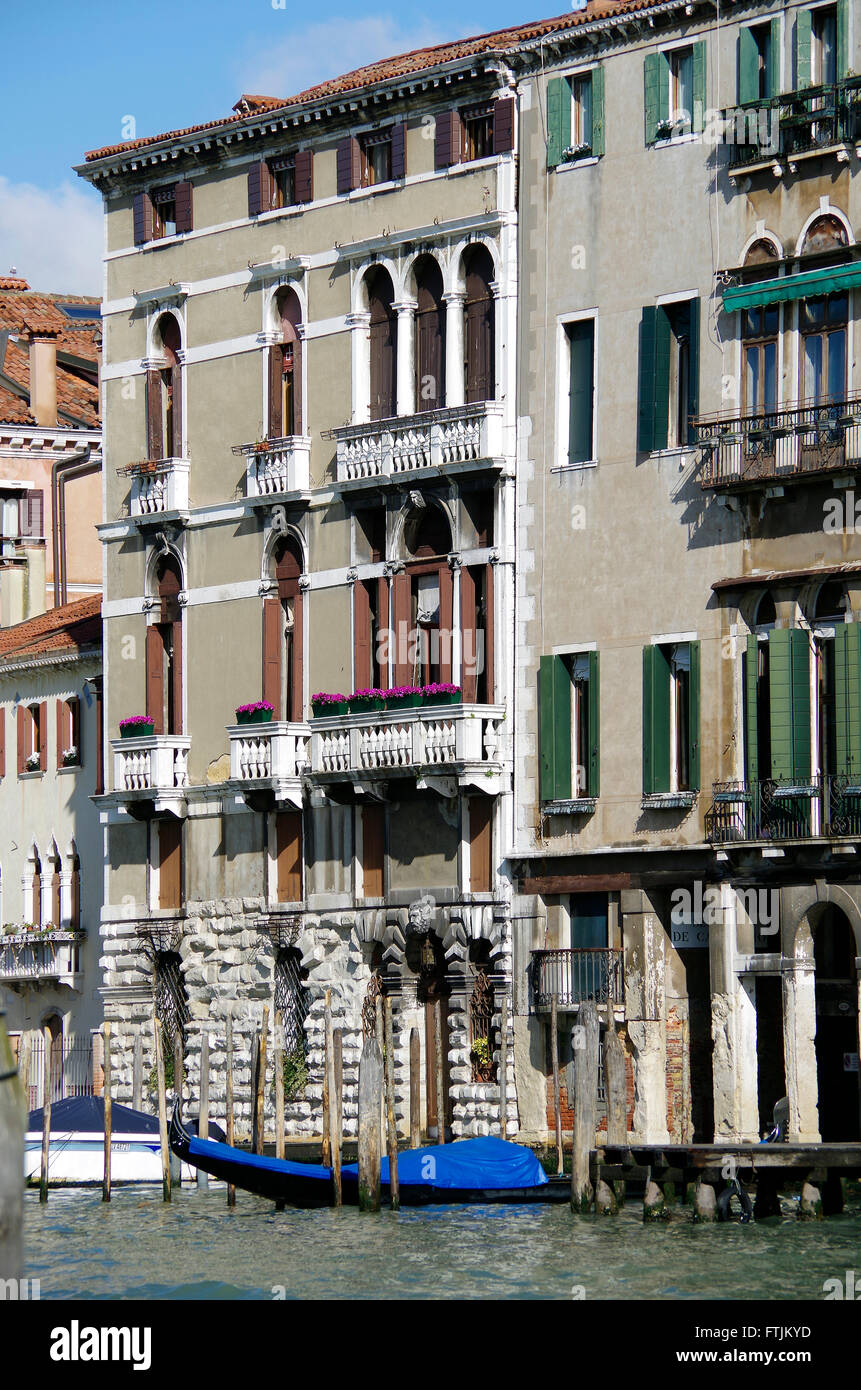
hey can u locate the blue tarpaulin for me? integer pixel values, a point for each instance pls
(86, 1115)
(470, 1165)
(207, 1148)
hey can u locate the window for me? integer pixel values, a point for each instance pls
(823, 324)
(164, 206)
(675, 92)
(285, 375)
(581, 114)
(32, 738)
(69, 732)
(476, 126)
(569, 701)
(36, 892)
(164, 394)
(370, 620)
(777, 706)
(283, 667)
(169, 865)
(580, 346)
(280, 182)
(480, 816)
(430, 335)
(759, 329)
(422, 601)
(681, 99)
(479, 327)
(375, 157)
(669, 375)
(476, 627)
(575, 117)
(759, 61)
(75, 895)
(288, 856)
(376, 164)
(823, 46)
(163, 212)
(383, 335)
(284, 179)
(671, 698)
(373, 856)
(474, 132)
(164, 653)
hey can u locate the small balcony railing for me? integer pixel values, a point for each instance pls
(158, 485)
(797, 123)
(270, 758)
(29, 957)
(278, 466)
(826, 806)
(157, 763)
(576, 976)
(813, 437)
(450, 738)
(466, 434)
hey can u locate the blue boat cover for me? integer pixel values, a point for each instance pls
(208, 1148)
(469, 1164)
(86, 1115)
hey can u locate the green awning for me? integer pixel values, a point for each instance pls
(810, 282)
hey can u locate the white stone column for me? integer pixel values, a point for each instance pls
(406, 382)
(359, 325)
(733, 1011)
(799, 1048)
(454, 330)
(65, 900)
(648, 1033)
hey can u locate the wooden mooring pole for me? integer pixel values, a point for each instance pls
(334, 1119)
(260, 1083)
(503, 1069)
(585, 1047)
(609, 1198)
(162, 1108)
(278, 1063)
(557, 1093)
(370, 1101)
(13, 1124)
(391, 1127)
(440, 1073)
(106, 1180)
(326, 1142)
(228, 1098)
(415, 1089)
(337, 1118)
(46, 1116)
(137, 1073)
(203, 1110)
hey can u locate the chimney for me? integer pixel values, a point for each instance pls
(43, 378)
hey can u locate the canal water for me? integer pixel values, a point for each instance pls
(196, 1248)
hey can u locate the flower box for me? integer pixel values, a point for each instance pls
(137, 726)
(366, 701)
(403, 697)
(442, 695)
(260, 712)
(324, 705)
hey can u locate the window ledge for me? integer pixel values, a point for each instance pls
(579, 806)
(28, 776)
(693, 138)
(368, 190)
(668, 801)
(70, 767)
(678, 451)
(574, 467)
(579, 163)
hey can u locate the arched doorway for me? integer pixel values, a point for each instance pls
(164, 652)
(430, 335)
(282, 635)
(479, 327)
(837, 1073)
(285, 369)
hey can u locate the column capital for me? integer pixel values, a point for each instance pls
(360, 319)
(404, 306)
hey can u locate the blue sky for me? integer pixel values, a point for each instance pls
(81, 69)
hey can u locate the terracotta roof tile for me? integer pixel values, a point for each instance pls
(28, 312)
(12, 282)
(73, 627)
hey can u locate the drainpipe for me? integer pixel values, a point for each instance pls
(76, 465)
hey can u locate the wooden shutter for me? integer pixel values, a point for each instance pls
(43, 736)
(169, 864)
(273, 619)
(699, 86)
(348, 164)
(373, 851)
(62, 711)
(2, 740)
(183, 206)
(479, 335)
(297, 694)
(694, 684)
(23, 750)
(652, 98)
(503, 125)
(175, 442)
(554, 691)
(154, 433)
(155, 677)
(847, 699)
(261, 189)
(581, 339)
(558, 119)
(774, 63)
(304, 176)
(144, 219)
(656, 720)
(803, 37)
(748, 66)
(288, 856)
(693, 369)
(480, 810)
(662, 378)
(751, 710)
(399, 150)
(276, 373)
(593, 772)
(401, 621)
(843, 50)
(469, 646)
(789, 686)
(446, 619)
(646, 389)
(489, 632)
(176, 677)
(363, 666)
(597, 141)
(447, 140)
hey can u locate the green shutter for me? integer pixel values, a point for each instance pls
(698, 115)
(656, 721)
(597, 141)
(594, 774)
(662, 378)
(803, 30)
(751, 710)
(694, 367)
(789, 681)
(646, 402)
(554, 683)
(558, 119)
(774, 63)
(694, 718)
(581, 340)
(748, 66)
(842, 39)
(652, 95)
(847, 698)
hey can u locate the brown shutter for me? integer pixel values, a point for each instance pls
(260, 188)
(468, 643)
(445, 622)
(2, 741)
(61, 730)
(297, 386)
(176, 677)
(154, 439)
(447, 140)
(76, 727)
(155, 678)
(402, 613)
(362, 636)
(273, 619)
(100, 741)
(399, 150)
(503, 125)
(373, 851)
(297, 694)
(276, 360)
(288, 851)
(480, 824)
(304, 176)
(43, 736)
(169, 864)
(23, 716)
(488, 635)
(176, 385)
(183, 206)
(348, 164)
(144, 218)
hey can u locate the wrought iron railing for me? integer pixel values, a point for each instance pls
(577, 975)
(824, 806)
(796, 123)
(808, 438)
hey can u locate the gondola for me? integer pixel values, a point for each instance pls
(475, 1171)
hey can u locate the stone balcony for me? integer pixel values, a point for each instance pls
(267, 762)
(32, 958)
(440, 746)
(159, 487)
(151, 769)
(459, 439)
(282, 468)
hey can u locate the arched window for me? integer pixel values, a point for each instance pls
(383, 335)
(430, 335)
(423, 600)
(479, 327)
(761, 252)
(56, 896)
(282, 635)
(164, 393)
(826, 233)
(36, 896)
(164, 652)
(75, 895)
(285, 370)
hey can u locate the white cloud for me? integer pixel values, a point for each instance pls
(327, 49)
(53, 236)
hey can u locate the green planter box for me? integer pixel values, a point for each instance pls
(329, 711)
(366, 706)
(137, 731)
(258, 716)
(446, 699)
(405, 702)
